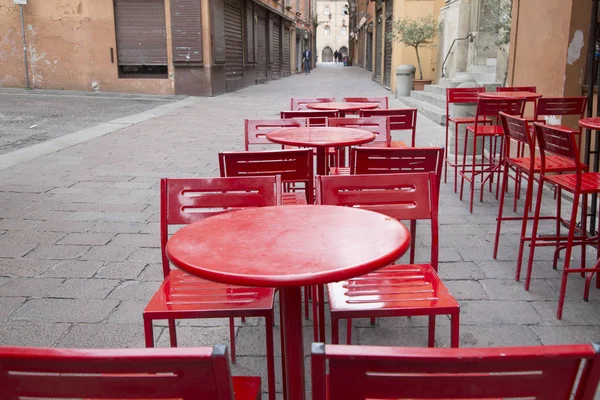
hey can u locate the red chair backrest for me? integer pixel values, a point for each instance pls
(187, 200)
(400, 119)
(291, 165)
(382, 101)
(532, 89)
(189, 374)
(462, 95)
(314, 117)
(255, 130)
(561, 106)
(558, 141)
(380, 126)
(492, 107)
(517, 129)
(297, 103)
(369, 372)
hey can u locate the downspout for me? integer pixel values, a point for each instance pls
(515, 36)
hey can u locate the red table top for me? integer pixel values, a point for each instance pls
(287, 246)
(591, 123)
(342, 106)
(321, 136)
(510, 95)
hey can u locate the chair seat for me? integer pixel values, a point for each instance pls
(392, 290)
(590, 181)
(293, 199)
(465, 120)
(486, 130)
(339, 171)
(185, 294)
(553, 164)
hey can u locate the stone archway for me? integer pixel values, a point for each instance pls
(344, 51)
(327, 54)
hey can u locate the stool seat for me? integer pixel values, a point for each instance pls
(553, 163)
(486, 130)
(590, 182)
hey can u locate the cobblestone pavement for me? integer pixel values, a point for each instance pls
(79, 240)
(29, 117)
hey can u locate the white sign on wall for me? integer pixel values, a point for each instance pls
(20, 2)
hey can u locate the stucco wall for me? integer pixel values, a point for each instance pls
(68, 44)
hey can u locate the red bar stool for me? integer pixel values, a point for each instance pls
(561, 142)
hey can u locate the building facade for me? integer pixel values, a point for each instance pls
(192, 47)
(333, 29)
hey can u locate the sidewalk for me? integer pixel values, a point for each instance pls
(79, 238)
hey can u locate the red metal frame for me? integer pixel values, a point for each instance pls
(462, 96)
(293, 166)
(400, 120)
(314, 117)
(382, 101)
(561, 142)
(380, 126)
(297, 103)
(486, 109)
(395, 290)
(183, 296)
(547, 106)
(255, 130)
(188, 374)
(540, 372)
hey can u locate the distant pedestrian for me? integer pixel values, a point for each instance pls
(307, 56)
(340, 57)
(335, 56)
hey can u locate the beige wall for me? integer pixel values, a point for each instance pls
(335, 40)
(68, 45)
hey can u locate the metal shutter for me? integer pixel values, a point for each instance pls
(369, 61)
(250, 32)
(234, 54)
(186, 31)
(276, 48)
(286, 51)
(387, 62)
(261, 44)
(378, 47)
(218, 34)
(141, 32)
(327, 55)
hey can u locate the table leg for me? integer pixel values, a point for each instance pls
(321, 160)
(291, 308)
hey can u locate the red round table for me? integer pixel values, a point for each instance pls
(511, 95)
(287, 248)
(342, 106)
(321, 137)
(590, 123)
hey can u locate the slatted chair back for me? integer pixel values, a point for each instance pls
(314, 117)
(380, 126)
(462, 96)
(188, 374)
(560, 141)
(400, 119)
(297, 103)
(293, 166)
(256, 130)
(531, 89)
(548, 106)
(187, 200)
(490, 108)
(369, 372)
(517, 129)
(382, 101)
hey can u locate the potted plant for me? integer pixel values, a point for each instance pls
(415, 33)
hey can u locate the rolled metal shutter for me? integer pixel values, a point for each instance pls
(286, 50)
(261, 44)
(141, 32)
(387, 62)
(186, 31)
(218, 31)
(250, 32)
(234, 53)
(378, 47)
(276, 66)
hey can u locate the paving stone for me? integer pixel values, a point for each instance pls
(77, 288)
(32, 236)
(24, 267)
(550, 335)
(74, 269)
(152, 228)
(17, 224)
(65, 310)
(136, 240)
(574, 312)
(380, 336)
(9, 304)
(118, 227)
(31, 334)
(257, 366)
(134, 290)
(145, 255)
(509, 289)
(48, 215)
(109, 216)
(4, 280)
(57, 252)
(491, 336)
(87, 238)
(466, 290)
(64, 226)
(575, 288)
(15, 250)
(106, 336)
(151, 272)
(100, 207)
(497, 312)
(108, 253)
(122, 270)
(30, 287)
(459, 270)
(188, 336)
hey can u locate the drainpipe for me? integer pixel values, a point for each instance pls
(24, 48)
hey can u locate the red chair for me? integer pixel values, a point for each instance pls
(293, 166)
(297, 103)
(541, 372)
(486, 109)
(561, 142)
(400, 120)
(183, 296)
(188, 374)
(458, 96)
(382, 101)
(314, 117)
(548, 108)
(255, 130)
(395, 290)
(380, 126)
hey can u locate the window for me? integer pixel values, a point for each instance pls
(327, 30)
(343, 30)
(326, 11)
(345, 10)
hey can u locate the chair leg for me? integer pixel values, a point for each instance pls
(472, 195)
(335, 339)
(282, 339)
(431, 333)
(321, 300)
(532, 243)
(148, 332)
(454, 330)
(316, 321)
(373, 321)
(464, 165)
(349, 331)
(270, 356)
(565, 273)
(500, 208)
(172, 333)
(526, 208)
(232, 339)
(306, 296)
(446, 156)
(413, 236)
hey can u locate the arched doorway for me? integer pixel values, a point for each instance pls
(344, 50)
(327, 55)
